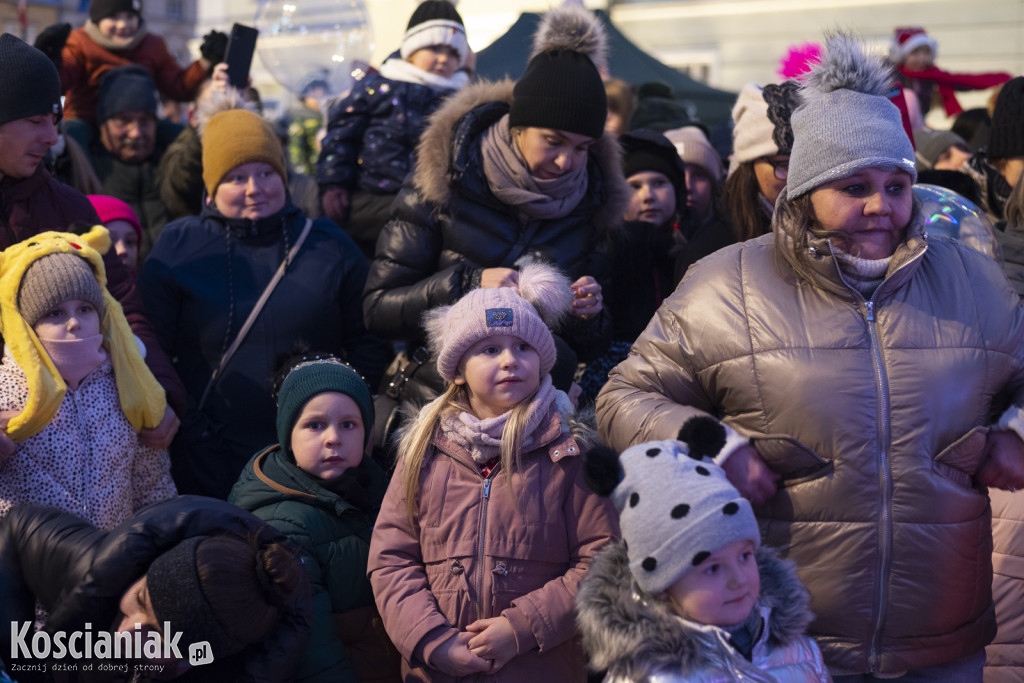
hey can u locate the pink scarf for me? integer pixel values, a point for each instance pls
(75, 358)
(482, 438)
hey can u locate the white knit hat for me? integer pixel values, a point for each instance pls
(675, 511)
(761, 122)
(435, 22)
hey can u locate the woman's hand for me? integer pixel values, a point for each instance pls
(160, 437)
(589, 300)
(751, 476)
(499, 277)
(219, 77)
(1003, 466)
(336, 203)
(455, 659)
(494, 641)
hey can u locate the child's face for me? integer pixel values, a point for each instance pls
(327, 439)
(919, 58)
(653, 200)
(440, 60)
(120, 25)
(68, 320)
(498, 372)
(721, 590)
(126, 243)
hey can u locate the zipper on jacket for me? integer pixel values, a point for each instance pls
(485, 496)
(884, 486)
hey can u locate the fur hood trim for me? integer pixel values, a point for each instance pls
(213, 102)
(435, 160)
(634, 635)
(573, 28)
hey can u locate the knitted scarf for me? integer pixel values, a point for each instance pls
(947, 83)
(75, 358)
(862, 274)
(115, 44)
(510, 180)
(482, 438)
(397, 69)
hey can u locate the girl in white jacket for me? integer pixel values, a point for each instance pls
(689, 595)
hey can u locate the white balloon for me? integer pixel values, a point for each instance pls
(953, 215)
(306, 42)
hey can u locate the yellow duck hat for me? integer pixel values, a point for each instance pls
(142, 397)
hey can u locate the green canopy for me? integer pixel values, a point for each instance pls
(507, 56)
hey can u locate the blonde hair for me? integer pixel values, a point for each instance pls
(414, 443)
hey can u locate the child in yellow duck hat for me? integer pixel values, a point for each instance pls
(74, 389)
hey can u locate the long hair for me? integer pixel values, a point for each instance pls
(414, 442)
(742, 199)
(1014, 209)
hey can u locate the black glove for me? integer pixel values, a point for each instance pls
(215, 45)
(51, 41)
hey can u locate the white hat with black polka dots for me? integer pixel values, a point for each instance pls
(675, 511)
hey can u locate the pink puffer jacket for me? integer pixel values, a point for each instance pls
(483, 547)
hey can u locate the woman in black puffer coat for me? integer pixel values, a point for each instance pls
(507, 171)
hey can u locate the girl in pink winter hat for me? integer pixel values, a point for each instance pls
(487, 527)
(123, 224)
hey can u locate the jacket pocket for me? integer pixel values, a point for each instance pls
(794, 462)
(960, 460)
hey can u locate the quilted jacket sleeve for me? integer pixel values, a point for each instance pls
(347, 121)
(404, 280)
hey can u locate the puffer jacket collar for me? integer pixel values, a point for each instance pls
(272, 478)
(825, 266)
(634, 636)
(448, 154)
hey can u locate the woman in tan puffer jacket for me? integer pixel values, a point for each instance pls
(863, 372)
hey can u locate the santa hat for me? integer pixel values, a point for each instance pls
(906, 39)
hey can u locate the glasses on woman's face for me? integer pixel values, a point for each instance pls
(780, 167)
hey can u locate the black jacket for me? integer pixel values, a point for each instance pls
(79, 574)
(447, 225)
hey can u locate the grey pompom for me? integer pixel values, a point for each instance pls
(571, 27)
(847, 65)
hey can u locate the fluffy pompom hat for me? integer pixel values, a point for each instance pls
(846, 122)
(562, 86)
(142, 397)
(543, 298)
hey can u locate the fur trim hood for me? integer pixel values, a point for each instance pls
(142, 397)
(634, 635)
(442, 157)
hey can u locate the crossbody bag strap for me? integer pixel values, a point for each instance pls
(251, 320)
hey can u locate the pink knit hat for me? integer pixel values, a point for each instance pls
(543, 298)
(113, 209)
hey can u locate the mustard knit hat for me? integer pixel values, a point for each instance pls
(236, 137)
(142, 397)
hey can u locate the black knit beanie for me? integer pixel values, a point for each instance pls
(101, 9)
(126, 88)
(30, 83)
(430, 10)
(563, 90)
(648, 150)
(657, 109)
(1006, 138)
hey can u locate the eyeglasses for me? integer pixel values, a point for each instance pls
(779, 166)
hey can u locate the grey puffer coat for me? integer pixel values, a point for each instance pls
(638, 639)
(447, 226)
(873, 413)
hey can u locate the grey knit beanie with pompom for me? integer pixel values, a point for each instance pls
(846, 122)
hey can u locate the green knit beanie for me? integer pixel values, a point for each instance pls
(306, 380)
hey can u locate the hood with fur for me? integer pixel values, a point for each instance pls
(442, 154)
(634, 635)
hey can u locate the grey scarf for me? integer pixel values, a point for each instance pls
(509, 178)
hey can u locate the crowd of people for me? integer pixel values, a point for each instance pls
(499, 381)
